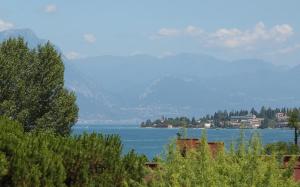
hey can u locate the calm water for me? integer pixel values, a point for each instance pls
(151, 141)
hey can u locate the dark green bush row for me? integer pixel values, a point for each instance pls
(45, 159)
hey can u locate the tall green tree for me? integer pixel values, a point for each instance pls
(32, 87)
(293, 123)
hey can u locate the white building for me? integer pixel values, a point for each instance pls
(207, 125)
(281, 117)
(248, 121)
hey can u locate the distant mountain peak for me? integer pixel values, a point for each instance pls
(21, 32)
(29, 36)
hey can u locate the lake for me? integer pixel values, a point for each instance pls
(151, 141)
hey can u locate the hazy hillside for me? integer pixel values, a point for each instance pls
(126, 89)
(189, 84)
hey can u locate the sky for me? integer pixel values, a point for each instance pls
(228, 29)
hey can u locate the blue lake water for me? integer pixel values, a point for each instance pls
(151, 141)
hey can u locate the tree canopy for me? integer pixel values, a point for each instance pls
(32, 87)
(294, 123)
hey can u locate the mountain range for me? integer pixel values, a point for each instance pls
(130, 89)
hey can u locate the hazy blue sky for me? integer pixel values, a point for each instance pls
(230, 29)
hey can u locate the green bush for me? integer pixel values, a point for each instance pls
(245, 165)
(282, 148)
(42, 158)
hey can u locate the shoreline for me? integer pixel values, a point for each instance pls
(285, 128)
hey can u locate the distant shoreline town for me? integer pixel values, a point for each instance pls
(265, 118)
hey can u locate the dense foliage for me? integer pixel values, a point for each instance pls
(282, 148)
(32, 87)
(44, 159)
(247, 165)
(176, 122)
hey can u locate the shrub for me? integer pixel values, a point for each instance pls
(42, 158)
(282, 148)
(247, 165)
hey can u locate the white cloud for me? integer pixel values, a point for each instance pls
(89, 38)
(166, 54)
(168, 32)
(173, 32)
(72, 55)
(233, 37)
(137, 52)
(260, 33)
(50, 8)
(193, 31)
(5, 25)
(283, 32)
